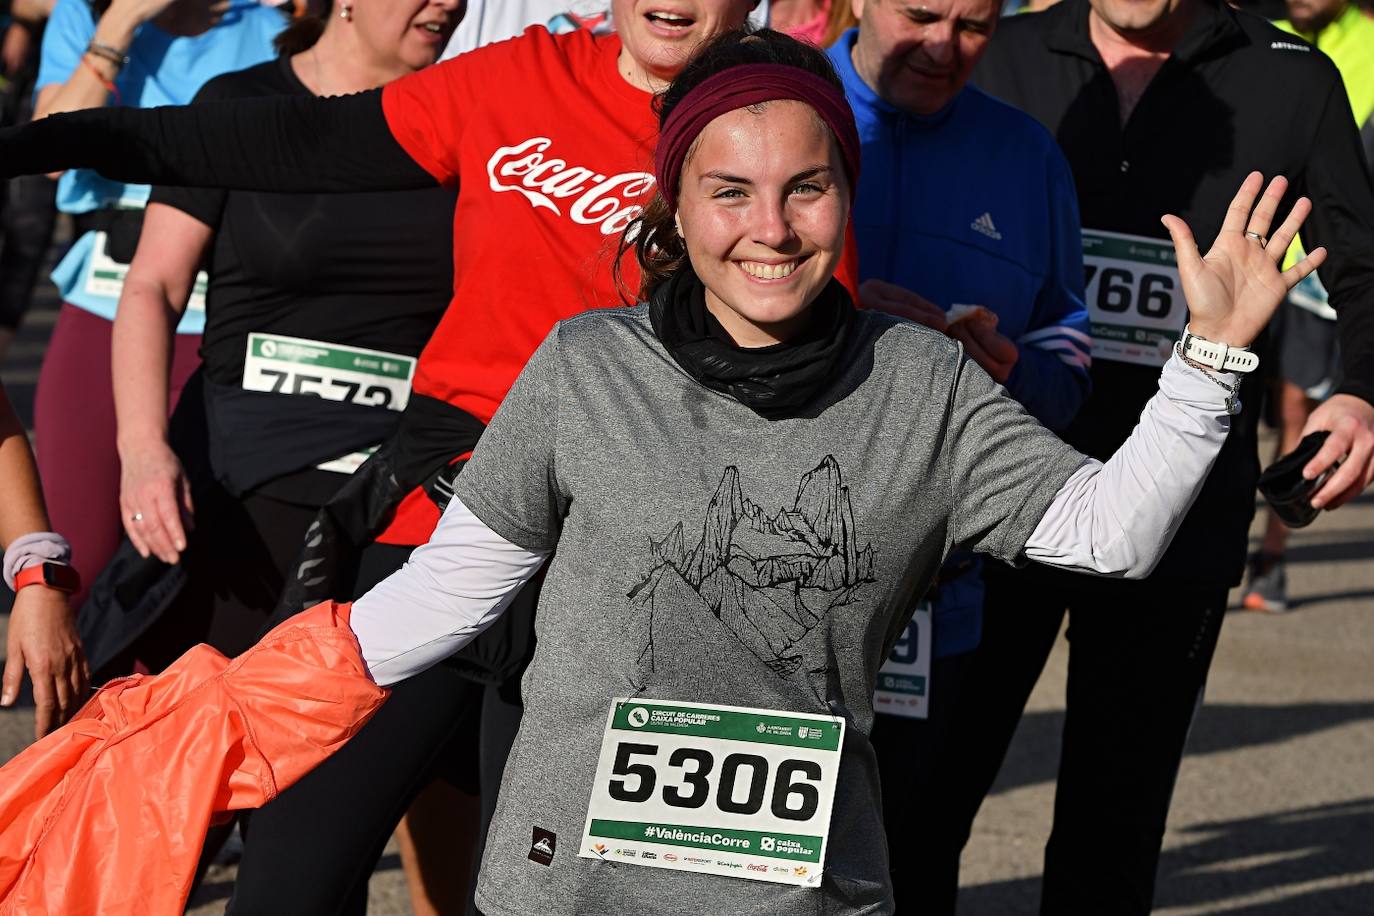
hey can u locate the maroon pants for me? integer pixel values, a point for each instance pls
(74, 435)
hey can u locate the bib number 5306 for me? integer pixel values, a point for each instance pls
(740, 786)
(720, 790)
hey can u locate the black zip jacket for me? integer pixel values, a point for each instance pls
(1235, 96)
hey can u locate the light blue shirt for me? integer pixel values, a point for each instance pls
(163, 69)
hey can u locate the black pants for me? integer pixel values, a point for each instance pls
(236, 567)
(312, 850)
(1138, 659)
(910, 757)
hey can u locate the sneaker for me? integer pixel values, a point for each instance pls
(1268, 588)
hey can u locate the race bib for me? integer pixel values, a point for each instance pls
(294, 365)
(1134, 297)
(721, 790)
(105, 276)
(347, 464)
(904, 679)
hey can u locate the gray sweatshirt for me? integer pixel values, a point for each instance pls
(708, 555)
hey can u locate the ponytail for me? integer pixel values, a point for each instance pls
(305, 29)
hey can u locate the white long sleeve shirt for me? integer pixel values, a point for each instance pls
(1112, 519)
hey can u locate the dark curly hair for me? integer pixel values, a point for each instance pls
(653, 235)
(305, 29)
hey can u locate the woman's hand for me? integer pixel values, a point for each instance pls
(984, 345)
(1350, 421)
(140, 10)
(1233, 291)
(117, 26)
(988, 347)
(87, 86)
(43, 639)
(882, 296)
(155, 500)
(15, 48)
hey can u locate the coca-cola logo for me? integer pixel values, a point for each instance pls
(591, 198)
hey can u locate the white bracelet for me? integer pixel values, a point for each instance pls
(1232, 391)
(1219, 356)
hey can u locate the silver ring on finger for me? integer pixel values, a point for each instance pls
(1257, 237)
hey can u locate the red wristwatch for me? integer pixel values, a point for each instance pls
(54, 575)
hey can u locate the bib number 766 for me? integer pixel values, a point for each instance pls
(740, 785)
(1117, 289)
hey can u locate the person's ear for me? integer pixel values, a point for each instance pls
(857, 6)
(677, 221)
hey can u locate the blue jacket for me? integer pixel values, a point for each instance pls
(976, 205)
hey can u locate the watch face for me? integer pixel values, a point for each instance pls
(59, 576)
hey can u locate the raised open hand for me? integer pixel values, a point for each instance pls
(1233, 290)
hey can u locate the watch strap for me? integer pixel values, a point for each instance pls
(57, 576)
(1218, 356)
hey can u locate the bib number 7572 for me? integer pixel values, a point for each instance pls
(716, 789)
(295, 365)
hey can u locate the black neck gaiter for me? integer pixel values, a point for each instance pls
(775, 382)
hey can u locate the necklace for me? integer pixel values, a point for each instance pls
(319, 73)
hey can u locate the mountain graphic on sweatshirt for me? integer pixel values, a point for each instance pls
(767, 579)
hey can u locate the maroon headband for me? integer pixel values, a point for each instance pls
(740, 87)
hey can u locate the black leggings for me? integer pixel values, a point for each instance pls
(236, 567)
(912, 753)
(1138, 659)
(312, 850)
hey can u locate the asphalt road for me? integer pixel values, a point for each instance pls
(1274, 810)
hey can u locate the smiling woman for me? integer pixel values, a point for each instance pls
(746, 482)
(660, 35)
(764, 246)
(765, 235)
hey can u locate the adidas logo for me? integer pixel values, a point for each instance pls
(984, 225)
(543, 846)
(1288, 46)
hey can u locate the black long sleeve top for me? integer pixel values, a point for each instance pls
(1236, 95)
(282, 143)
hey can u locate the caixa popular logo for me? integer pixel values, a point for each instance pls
(591, 198)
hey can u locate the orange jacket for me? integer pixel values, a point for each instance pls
(108, 814)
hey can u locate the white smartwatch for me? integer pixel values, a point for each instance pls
(1215, 355)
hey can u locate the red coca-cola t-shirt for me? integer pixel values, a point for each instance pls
(552, 152)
